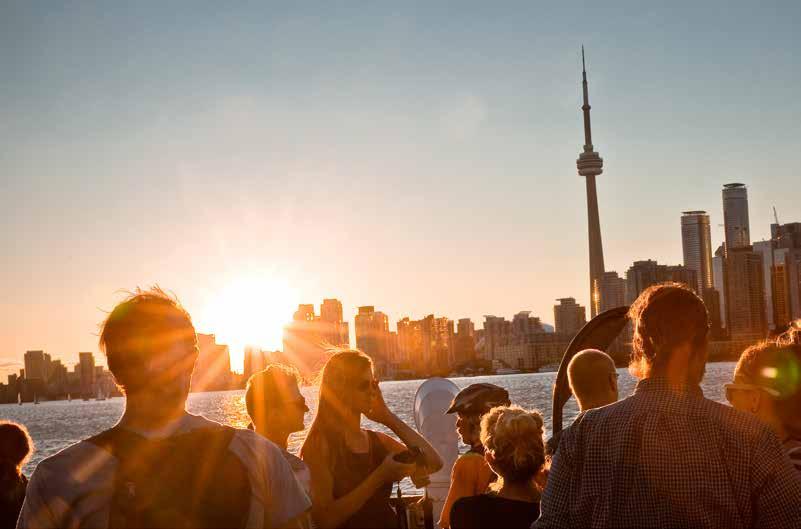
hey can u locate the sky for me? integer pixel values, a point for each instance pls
(417, 157)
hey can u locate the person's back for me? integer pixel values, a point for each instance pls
(667, 456)
(662, 458)
(77, 486)
(514, 449)
(490, 510)
(160, 466)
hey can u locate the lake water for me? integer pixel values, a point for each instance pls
(56, 425)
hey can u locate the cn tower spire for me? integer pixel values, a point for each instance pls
(590, 165)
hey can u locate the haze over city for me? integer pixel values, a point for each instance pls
(421, 160)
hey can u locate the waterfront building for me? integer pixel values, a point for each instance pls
(696, 243)
(253, 361)
(465, 341)
(213, 367)
(735, 216)
(613, 291)
(590, 165)
(372, 336)
(643, 274)
(569, 316)
(35, 366)
(334, 330)
(719, 281)
(308, 338)
(86, 369)
(745, 294)
(787, 238)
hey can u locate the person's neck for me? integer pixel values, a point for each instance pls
(142, 414)
(585, 405)
(526, 491)
(277, 436)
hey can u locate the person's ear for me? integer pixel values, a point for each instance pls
(754, 401)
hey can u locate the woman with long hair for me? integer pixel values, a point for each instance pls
(515, 450)
(15, 449)
(767, 384)
(352, 468)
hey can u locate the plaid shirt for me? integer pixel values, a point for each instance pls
(663, 458)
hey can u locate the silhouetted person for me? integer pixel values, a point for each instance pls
(592, 377)
(277, 408)
(15, 449)
(353, 469)
(471, 475)
(161, 466)
(666, 456)
(514, 449)
(767, 384)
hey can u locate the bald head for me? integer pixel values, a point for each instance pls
(593, 378)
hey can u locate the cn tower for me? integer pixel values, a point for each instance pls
(590, 165)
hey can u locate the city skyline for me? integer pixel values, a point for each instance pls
(398, 174)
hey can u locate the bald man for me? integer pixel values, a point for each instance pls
(593, 380)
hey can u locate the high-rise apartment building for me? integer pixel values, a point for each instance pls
(334, 330)
(213, 367)
(643, 274)
(745, 294)
(86, 368)
(372, 336)
(35, 366)
(719, 281)
(696, 243)
(613, 291)
(569, 316)
(465, 341)
(735, 216)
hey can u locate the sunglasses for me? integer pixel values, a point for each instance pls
(366, 385)
(742, 386)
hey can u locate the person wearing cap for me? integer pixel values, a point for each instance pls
(767, 385)
(471, 475)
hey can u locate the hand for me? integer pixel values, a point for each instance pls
(392, 470)
(420, 477)
(379, 412)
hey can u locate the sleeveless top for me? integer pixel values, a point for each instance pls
(350, 470)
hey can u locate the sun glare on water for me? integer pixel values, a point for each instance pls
(250, 312)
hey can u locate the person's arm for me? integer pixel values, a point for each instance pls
(328, 512)
(462, 484)
(379, 412)
(776, 487)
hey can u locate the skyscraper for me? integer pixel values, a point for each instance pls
(372, 336)
(333, 329)
(613, 291)
(86, 367)
(569, 316)
(735, 216)
(590, 165)
(696, 242)
(745, 294)
(213, 366)
(35, 365)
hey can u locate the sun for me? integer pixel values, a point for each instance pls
(250, 311)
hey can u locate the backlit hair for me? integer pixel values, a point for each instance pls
(776, 364)
(664, 317)
(336, 380)
(513, 436)
(15, 446)
(269, 388)
(143, 326)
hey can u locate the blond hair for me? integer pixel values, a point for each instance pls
(513, 436)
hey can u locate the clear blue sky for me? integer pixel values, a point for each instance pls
(417, 157)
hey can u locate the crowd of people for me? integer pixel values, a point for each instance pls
(665, 456)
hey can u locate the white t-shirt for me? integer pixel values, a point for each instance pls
(73, 488)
